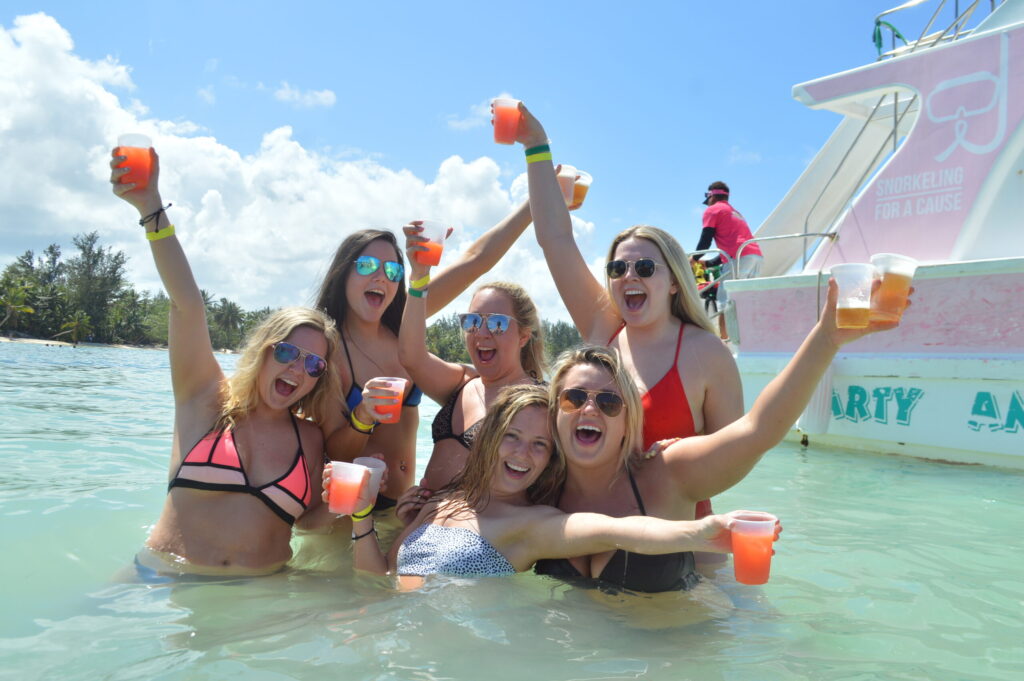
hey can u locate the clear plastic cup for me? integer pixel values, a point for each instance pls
(435, 233)
(854, 304)
(136, 148)
(506, 120)
(752, 535)
(391, 413)
(376, 467)
(897, 272)
(566, 182)
(580, 189)
(347, 480)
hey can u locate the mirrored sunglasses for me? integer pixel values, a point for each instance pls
(367, 265)
(644, 268)
(573, 399)
(286, 353)
(496, 323)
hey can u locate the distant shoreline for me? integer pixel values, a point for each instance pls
(44, 341)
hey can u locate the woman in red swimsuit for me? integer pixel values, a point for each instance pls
(650, 312)
(243, 467)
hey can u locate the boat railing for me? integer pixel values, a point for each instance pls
(955, 30)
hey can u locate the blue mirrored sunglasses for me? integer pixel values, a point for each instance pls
(496, 323)
(286, 353)
(367, 265)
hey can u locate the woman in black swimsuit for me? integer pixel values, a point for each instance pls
(597, 420)
(505, 342)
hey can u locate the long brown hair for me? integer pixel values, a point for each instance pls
(241, 391)
(474, 482)
(686, 304)
(331, 298)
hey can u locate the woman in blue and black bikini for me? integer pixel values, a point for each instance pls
(490, 520)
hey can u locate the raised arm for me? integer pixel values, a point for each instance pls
(481, 256)
(437, 378)
(195, 372)
(708, 465)
(588, 302)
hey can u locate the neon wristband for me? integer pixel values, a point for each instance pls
(362, 515)
(162, 234)
(372, 530)
(418, 293)
(539, 149)
(421, 282)
(365, 428)
(546, 156)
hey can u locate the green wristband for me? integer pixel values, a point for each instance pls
(539, 149)
(545, 156)
(418, 293)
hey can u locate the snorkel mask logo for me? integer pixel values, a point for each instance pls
(948, 102)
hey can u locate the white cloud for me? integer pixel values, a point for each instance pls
(479, 116)
(304, 100)
(258, 229)
(742, 157)
(207, 94)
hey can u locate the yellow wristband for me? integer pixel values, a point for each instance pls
(421, 282)
(362, 515)
(365, 428)
(162, 234)
(546, 156)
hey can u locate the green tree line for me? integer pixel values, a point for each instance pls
(87, 298)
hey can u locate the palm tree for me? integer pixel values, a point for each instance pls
(78, 326)
(228, 318)
(14, 301)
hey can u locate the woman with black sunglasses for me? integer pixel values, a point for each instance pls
(649, 311)
(505, 342)
(364, 292)
(244, 466)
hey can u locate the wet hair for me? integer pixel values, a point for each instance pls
(686, 304)
(241, 391)
(608, 360)
(331, 298)
(532, 355)
(475, 479)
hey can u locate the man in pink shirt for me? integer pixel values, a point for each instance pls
(726, 226)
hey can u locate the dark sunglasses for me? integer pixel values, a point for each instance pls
(286, 353)
(367, 265)
(644, 268)
(573, 399)
(496, 323)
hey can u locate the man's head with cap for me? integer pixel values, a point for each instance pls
(717, 191)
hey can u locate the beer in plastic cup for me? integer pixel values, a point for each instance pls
(752, 537)
(580, 189)
(434, 232)
(376, 467)
(897, 272)
(390, 413)
(567, 182)
(135, 148)
(506, 120)
(347, 479)
(853, 306)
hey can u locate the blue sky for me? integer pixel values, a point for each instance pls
(288, 125)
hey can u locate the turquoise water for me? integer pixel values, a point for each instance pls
(889, 568)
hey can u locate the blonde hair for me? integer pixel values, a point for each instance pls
(686, 304)
(242, 389)
(474, 482)
(532, 355)
(607, 359)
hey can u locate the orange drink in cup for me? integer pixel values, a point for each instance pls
(435, 233)
(580, 189)
(506, 120)
(390, 413)
(752, 535)
(135, 148)
(376, 467)
(897, 273)
(567, 182)
(347, 480)
(853, 307)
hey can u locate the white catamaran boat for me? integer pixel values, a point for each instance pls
(928, 161)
